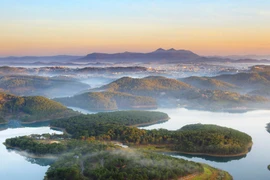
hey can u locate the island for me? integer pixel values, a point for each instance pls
(92, 159)
(202, 139)
(109, 145)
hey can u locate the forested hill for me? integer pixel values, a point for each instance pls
(38, 85)
(207, 139)
(171, 93)
(148, 86)
(127, 118)
(104, 101)
(209, 83)
(32, 108)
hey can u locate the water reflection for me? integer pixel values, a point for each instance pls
(208, 158)
(251, 166)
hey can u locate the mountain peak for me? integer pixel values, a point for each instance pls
(160, 50)
(172, 49)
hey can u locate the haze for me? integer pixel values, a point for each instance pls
(30, 27)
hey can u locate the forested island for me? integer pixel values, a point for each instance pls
(202, 139)
(91, 159)
(106, 101)
(31, 108)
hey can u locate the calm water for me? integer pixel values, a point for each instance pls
(253, 166)
(14, 166)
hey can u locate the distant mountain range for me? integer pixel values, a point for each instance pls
(159, 55)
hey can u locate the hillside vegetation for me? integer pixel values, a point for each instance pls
(32, 108)
(102, 101)
(37, 85)
(101, 160)
(149, 86)
(209, 139)
(208, 83)
(171, 93)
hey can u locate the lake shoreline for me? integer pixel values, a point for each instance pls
(166, 150)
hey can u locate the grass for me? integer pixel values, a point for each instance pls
(212, 174)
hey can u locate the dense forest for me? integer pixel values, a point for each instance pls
(82, 160)
(32, 108)
(38, 85)
(148, 86)
(121, 165)
(102, 101)
(126, 118)
(208, 139)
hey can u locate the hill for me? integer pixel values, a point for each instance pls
(170, 93)
(37, 85)
(208, 83)
(104, 101)
(32, 108)
(197, 138)
(247, 81)
(217, 100)
(148, 86)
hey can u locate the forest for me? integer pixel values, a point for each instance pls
(197, 138)
(27, 85)
(214, 95)
(32, 108)
(104, 101)
(83, 160)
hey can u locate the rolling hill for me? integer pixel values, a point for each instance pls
(31, 108)
(208, 83)
(44, 86)
(104, 101)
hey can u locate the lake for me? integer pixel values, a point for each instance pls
(13, 166)
(252, 166)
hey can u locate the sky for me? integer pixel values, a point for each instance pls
(79, 27)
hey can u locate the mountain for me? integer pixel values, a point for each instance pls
(46, 59)
(251, 56)
(31, 108)
(159, 54)
(104, 101)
